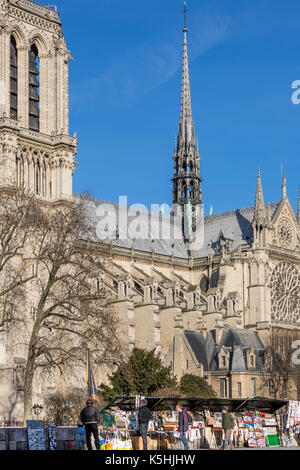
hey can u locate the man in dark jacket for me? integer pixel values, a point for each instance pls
(227, 425)
(183, 425)
(144, 418)
(90, 418)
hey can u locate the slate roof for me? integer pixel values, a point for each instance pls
(235, 225)
(198, 346)
(237, 341)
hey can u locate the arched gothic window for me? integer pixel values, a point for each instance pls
(13, 79)
(34, 99)
(37, 179)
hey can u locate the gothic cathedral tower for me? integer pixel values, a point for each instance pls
(36, 151)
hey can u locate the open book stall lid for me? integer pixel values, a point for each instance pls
(263, 404)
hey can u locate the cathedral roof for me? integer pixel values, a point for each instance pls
(235, 226)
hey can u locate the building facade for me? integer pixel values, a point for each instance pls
(210, 311)
(36, 149)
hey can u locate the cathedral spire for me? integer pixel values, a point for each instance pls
(186, 181)
(284, 186)
(259, 208)
(186, 133)
(260, 221)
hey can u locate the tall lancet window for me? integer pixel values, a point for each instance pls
(37, 179)
(34, 99)
(13, 79)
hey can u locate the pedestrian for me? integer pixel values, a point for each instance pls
(144, 418)
(183, 425)
(227, 425)
(90, 418)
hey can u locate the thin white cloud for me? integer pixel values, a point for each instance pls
(150, 64)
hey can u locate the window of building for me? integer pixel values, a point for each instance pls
(271, 389)
(13, 79)
(187, 364)
(223, 388)
(204, 284)
(253, 387)
(34, 99)
(239, 389)
(251, 361)
(37, 179)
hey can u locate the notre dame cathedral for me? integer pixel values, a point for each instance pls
(211, 311)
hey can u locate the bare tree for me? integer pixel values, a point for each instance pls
(63, 409)
(280, 376)
(16, 210)
(69, 312)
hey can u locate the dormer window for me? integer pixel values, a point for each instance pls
(251, 359)
(223, 359)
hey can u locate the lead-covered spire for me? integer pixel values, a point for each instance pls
(186, 134)
(186, 181)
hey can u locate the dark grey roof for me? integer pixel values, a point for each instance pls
(198, 346)
(170, 245)
(233, 336)
(238, 359)
(236, 341)
(235, 225)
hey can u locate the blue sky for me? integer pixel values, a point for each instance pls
(125, 96)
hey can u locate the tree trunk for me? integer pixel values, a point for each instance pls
(29, 375)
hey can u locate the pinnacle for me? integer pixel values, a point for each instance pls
(259, 209)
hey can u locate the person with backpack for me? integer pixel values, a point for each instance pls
(144, 417)
(227, 426)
